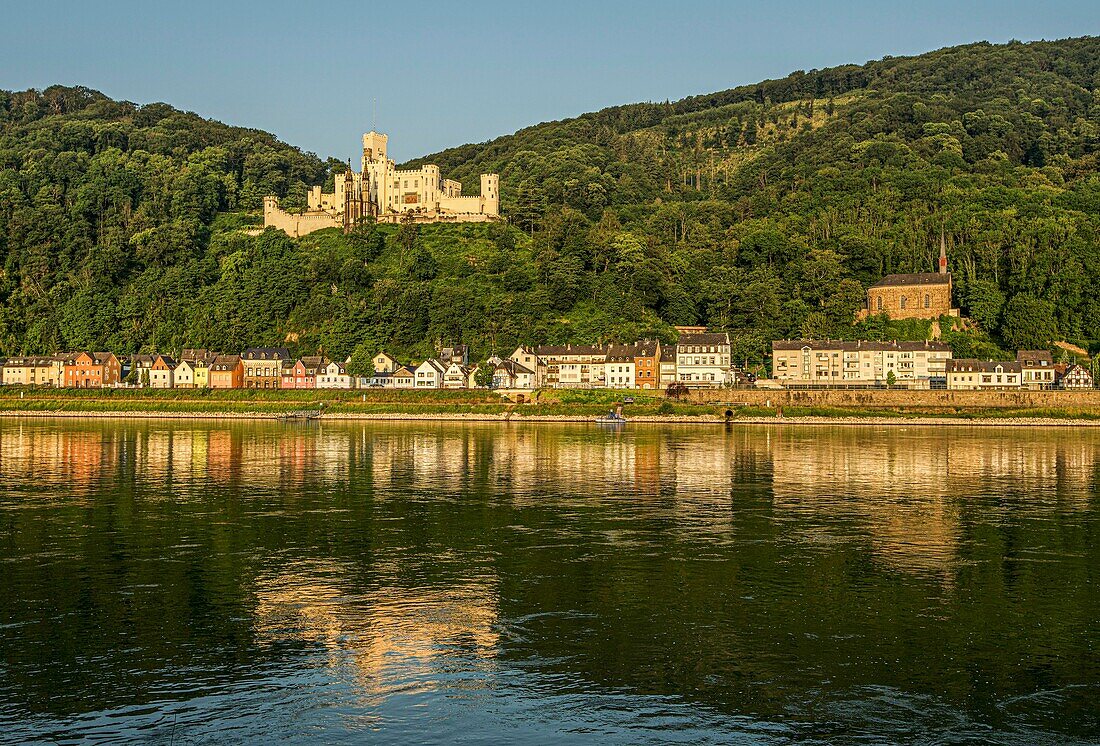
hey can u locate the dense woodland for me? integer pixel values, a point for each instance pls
(764, 210)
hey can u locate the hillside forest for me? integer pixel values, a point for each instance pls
(764, 210)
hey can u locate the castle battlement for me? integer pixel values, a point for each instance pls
(382, 191)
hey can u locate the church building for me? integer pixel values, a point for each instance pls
(920, 295)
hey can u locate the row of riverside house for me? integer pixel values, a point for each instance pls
(699, 359)
(823, 363)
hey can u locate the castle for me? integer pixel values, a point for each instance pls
(383, 192)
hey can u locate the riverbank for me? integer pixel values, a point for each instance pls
(546, 406)
(877, 420)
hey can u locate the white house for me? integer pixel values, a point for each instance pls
(619, 367)
(977, 375)
(184, 375)
(161, 372)
(1077, 377)
(508, 374)
(1036, 368)
(333, 376)
(458, 376)
(404, 377)
(429, 375)
(533, 363)
(702, 357)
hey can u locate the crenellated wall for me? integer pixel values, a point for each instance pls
(296, 224)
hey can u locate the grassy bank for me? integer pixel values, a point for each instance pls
(464, 404)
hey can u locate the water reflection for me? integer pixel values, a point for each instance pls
(383, 634)
(750, 581)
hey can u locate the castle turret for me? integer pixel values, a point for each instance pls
(374, 147)
(490, 194)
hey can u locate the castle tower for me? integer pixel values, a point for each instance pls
(374, 147)
(490, 194)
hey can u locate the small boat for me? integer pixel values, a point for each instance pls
(611, 418)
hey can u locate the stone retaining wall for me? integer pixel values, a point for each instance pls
(904, 398)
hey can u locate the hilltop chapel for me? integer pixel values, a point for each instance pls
(919, 295)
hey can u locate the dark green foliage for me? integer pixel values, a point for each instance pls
(1029, 323)
(116, 226)
(774, 205)
(765, 210)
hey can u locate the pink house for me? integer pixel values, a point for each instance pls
(303, 374)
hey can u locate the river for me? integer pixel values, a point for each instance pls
(181, 582)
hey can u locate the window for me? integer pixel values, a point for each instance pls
(904, 300)
(927, 300)
(878, 303)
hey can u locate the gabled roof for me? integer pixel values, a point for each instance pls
(311, 363)
(970, 365)
(225, 362)
(433, 364)
(836, 345)
(621, 353)
(513, 368)
(194, 355)
(703, 338)
(168, 361)
(1035, 358)
(570, 349)
(27, 362)
(915, 278)
(1078, 370)
(266, 353)
(405, 371)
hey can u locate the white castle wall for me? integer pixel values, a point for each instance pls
(394, 193)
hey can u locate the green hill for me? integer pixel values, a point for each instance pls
(765, 210)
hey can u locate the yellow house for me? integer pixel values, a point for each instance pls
(192, 374)
(202, 374)
(30, 371)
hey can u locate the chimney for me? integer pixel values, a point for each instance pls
(943, 253)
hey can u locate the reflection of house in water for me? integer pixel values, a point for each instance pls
(907, 489)
(223, 457)
(890, 485)
(386, 634)
(42, 456)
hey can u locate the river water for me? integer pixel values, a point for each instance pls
(441, 583)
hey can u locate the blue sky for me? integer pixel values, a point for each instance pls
(448, 73)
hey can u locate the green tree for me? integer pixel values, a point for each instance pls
(484, 375)
(984, 303)
(1028, 323)
(361, 362)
